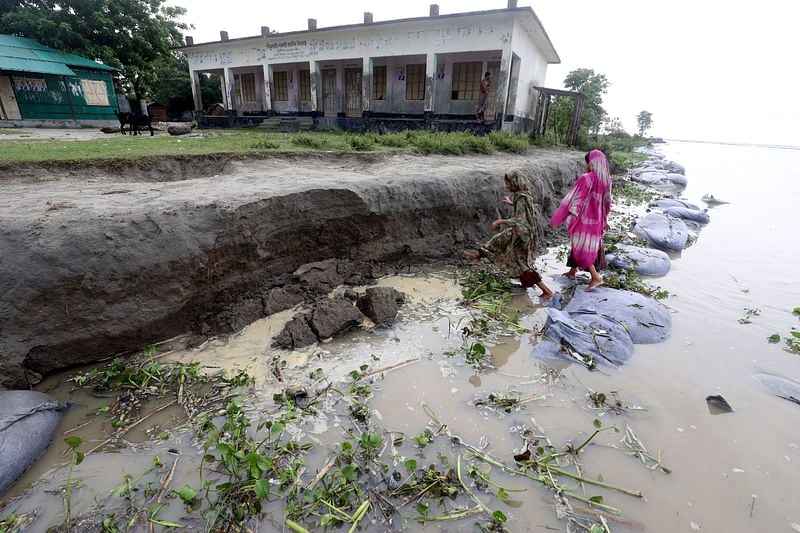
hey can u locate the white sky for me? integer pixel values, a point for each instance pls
(717, 70)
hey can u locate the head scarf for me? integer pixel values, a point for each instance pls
(521, 188)
(519, 181)
(599, 166)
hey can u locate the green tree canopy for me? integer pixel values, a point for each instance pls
(594, 86)
(131, 35)
(644, 120)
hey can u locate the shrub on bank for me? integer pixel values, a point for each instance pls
(502, 140)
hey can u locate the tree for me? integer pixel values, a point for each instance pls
(644, 119)
(594, 86)
(131, 35)
(174, 88)
(614, 128)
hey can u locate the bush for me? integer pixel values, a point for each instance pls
(363, 142)
(264, 143)
(502, 140)
(393, 140)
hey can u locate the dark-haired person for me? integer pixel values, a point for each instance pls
(585, 210)
(511, 249)
(485, 84)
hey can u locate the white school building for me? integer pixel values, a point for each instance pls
(385, 75)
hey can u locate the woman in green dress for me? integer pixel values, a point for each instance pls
(511, 249)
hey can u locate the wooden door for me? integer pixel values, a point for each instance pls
(9, 110)
(494, 68)
(352, 89)
(330, 97)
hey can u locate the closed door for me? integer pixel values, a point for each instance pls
(8, 101)
(352, 88)
(494, 68)
(329, 97)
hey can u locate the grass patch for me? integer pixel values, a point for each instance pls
(243, 142)
(9, 132)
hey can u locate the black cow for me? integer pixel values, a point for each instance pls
(135, 122)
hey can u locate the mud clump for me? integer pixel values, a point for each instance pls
(381, 304)
(328, 318)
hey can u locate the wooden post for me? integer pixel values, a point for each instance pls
(546, 112)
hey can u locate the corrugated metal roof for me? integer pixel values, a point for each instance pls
(17, 64)
(26, 55)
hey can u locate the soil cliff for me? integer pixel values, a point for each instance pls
(94, 265)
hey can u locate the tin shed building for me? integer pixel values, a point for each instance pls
(395, 74)
(43, 86)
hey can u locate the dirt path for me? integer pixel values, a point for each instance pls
(94, 266)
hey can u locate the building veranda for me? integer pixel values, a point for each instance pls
(383, 76)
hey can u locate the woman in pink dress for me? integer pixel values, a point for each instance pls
(585, 211)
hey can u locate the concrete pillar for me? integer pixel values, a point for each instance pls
(316, 90)
(430, 82)
(366, 80)
(223, 36)
(196, 93)
(512, 4)
(267, 88)
(189, 40)
(227, 88)
(265, 31)
(502, 82)
(312, 24)
(367, 17)
(434, 10)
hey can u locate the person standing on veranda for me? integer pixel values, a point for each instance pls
(485, 84)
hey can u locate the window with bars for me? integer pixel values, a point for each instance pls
(379, 82)
(415, 82)
(305, 85)
(247, 84)
(281, 81)
(467, 81)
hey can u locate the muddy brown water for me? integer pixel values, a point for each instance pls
(736, 472)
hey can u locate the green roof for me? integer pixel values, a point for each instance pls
(26, 55)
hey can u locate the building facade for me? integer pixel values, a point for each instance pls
(42, 86)
(414, 71)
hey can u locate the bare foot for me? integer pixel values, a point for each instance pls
(569, 274)
(475, 256)
(546, 295)
(596, 282)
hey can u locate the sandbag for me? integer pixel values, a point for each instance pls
(586, 335)
(662, 232)
(697, 215)
(665, 203)
(780, 387)
(710, 199)
(677, 179)
(676, 168)
(646, 261)
(28, 420)
(645, 320)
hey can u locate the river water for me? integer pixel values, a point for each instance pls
(734, 472)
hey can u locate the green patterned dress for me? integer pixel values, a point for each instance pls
(511, 249)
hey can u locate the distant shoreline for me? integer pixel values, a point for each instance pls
(759, 145)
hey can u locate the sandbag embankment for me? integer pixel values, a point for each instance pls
(92, 269)
(602, 326)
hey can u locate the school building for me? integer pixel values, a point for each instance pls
(382, 76)
(41, 86)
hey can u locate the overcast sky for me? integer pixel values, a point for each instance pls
(716, 70)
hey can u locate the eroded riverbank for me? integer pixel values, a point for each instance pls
(731, 472)
(93, 268)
